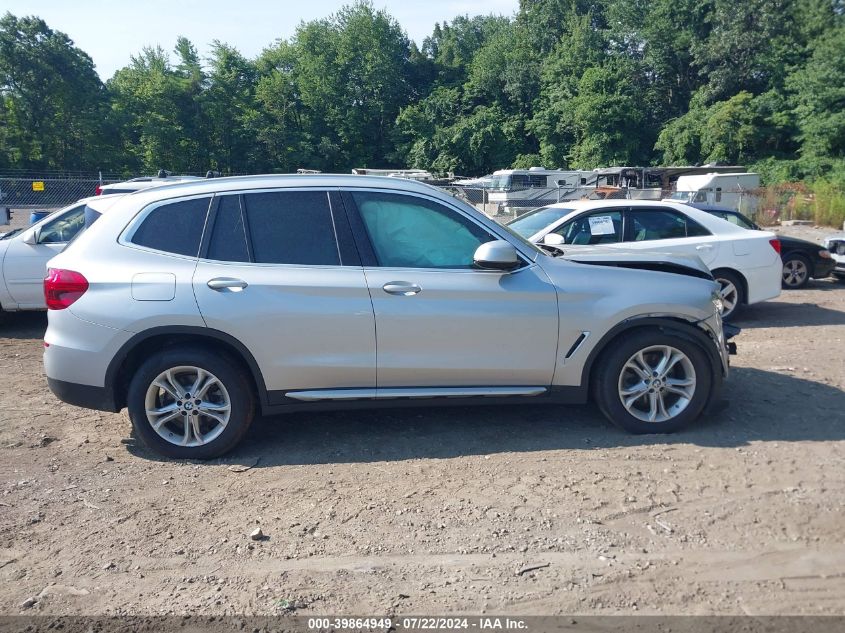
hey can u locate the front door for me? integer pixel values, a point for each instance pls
(670, 231)
(441, 322)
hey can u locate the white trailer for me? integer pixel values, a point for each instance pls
(732, 191)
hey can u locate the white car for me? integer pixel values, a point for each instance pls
(745, 263)
(145, 182)
(836, 245)
(24, 253)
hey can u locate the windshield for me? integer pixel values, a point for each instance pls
(11, 233)
(500, 182)
(680, 195)
(535, 221)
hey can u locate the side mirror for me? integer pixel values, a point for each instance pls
(33, 236)
(553, 239)
(496, 255)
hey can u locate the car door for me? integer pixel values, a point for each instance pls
(25, 265)
(442, 323)
(668, 230)
(278, 274)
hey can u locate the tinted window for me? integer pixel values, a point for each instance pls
(660, 224)
(64, 227)
(174, 228)
(694, 229)
(228, 239)
(292, 227)
(599, 227)
(409, 232)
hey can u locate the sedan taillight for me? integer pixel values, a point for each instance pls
(775, 245)
(63, 287)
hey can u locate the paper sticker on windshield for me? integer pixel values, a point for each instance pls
(601, 225)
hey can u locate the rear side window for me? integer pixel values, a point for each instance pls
(661, 224)
(174, 228)
(292, 227)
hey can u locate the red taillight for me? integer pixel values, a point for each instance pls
(98, 190)
(63, 287)
(775, 245)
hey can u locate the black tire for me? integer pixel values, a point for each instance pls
(609, 381)
(235, 385)
(728, 276)
(799, 272)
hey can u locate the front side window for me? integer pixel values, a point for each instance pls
(599, 227)
(175, 227)
(64, 227)
(411, 232)
(291, 227)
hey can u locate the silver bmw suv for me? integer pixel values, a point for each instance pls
(198, 305)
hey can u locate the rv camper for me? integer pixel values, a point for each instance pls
(733, 191)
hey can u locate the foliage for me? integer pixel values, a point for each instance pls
(578, 83)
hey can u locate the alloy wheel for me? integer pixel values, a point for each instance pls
(657, 383)
(795, 273)
(730, 296)
(187, 406)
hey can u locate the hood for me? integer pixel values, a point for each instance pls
(676, 263)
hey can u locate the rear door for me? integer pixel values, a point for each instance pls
(279, 274)
(668, 230)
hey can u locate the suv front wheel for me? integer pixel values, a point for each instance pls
(653, 382)
(189, 403)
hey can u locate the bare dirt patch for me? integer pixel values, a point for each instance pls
(443, 510)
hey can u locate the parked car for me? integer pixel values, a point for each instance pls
(836, 245)
(197, 305)
(24, 254)
(145, 182)
(802, 259)
(745, 263)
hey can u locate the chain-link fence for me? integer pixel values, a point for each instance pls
(511, 203)
(45, 193)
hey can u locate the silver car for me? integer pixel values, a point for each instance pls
(198, 305)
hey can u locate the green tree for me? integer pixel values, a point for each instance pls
(52, 102)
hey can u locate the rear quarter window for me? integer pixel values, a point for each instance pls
(175, 227)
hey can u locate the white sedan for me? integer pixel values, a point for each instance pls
(746, 263)
(24, 253)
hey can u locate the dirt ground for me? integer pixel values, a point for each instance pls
(440, 511)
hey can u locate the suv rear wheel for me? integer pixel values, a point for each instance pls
(653, 382)
(190, 403)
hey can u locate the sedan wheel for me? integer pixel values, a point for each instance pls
(730, 291)
(796, 273)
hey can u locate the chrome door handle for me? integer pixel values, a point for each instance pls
(226, 283)
(401, 288)
(704, 247)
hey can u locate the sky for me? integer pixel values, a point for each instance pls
(110, 32)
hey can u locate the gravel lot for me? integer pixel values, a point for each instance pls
(444, 510)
